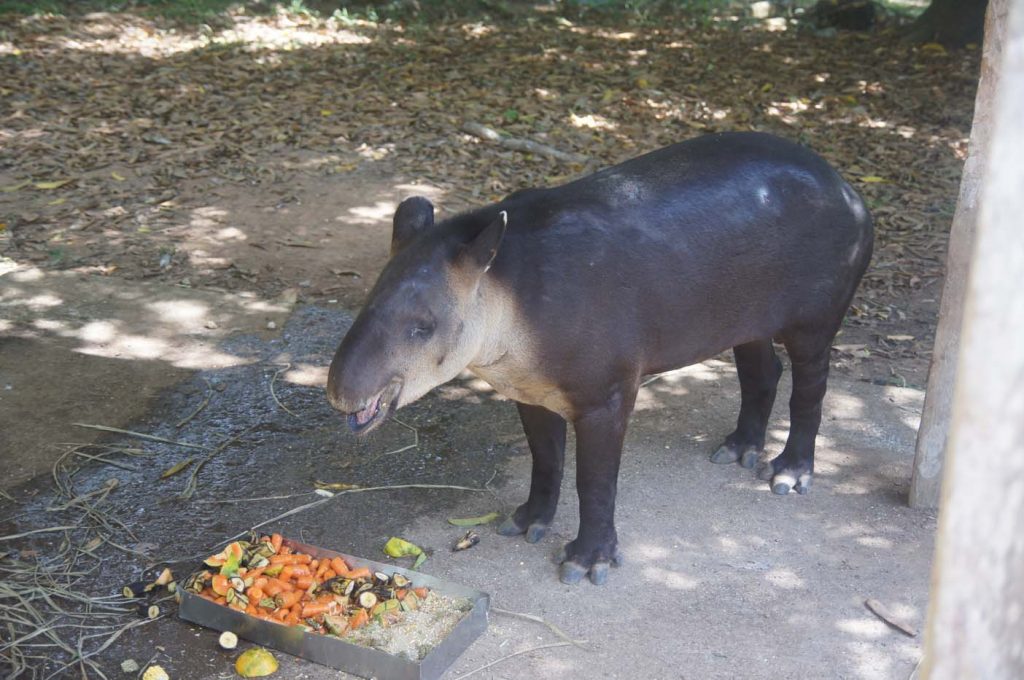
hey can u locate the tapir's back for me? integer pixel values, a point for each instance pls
(703, 245)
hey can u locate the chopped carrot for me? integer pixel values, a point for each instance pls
(284, 550)
(255, 593)
(420, 592)
(272, 587)
(251, 609)
(361, 572)
(339, 566)
(282, 559)
(292, 618)
(327, 575)
(315, 609)
(280, 613)
(220, 600)
(303, 582)
(286, 574)
(303, 558)
(300, 570)
(275, 540)
(287, 599)
(254, 573)
(261, 581)
(401, 593)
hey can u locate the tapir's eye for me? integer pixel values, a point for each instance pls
(422, 330)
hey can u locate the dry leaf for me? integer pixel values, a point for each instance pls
(55, 184)
(176, 468)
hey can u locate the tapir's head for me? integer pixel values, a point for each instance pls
(423, 321)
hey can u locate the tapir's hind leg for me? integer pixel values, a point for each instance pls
(809, 354)
(545, 432)
(759, 370)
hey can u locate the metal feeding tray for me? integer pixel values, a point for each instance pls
(336, 652)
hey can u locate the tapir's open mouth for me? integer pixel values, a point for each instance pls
(376, 409)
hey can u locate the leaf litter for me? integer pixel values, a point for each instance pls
(134, 121)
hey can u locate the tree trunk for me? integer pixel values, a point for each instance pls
(938, 402)
(950, 22)
(976, 617)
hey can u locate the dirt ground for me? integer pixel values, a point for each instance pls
(224, 215)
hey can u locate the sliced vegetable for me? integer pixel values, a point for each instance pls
(227, 640)
(255, 663)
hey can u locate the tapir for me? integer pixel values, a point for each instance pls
(564, 298)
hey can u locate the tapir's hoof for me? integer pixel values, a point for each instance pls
(599, 573)
(571, 573)
(750, 457)
(510, 528)
(535, 532)
(786, 480)
(747, 456)
(725, 454)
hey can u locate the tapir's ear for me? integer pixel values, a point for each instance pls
(412, 216)
(480, 252)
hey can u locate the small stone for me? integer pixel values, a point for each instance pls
(211, 324)
(271, 325)
(130, 666)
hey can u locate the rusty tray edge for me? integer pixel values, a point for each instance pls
(337, 653)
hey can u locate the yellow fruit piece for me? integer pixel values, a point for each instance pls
(255, 663)
(155, 673)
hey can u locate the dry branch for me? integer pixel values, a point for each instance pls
(519, 144)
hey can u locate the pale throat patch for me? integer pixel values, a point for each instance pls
(507, 358)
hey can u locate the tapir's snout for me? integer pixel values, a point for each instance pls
(350, 390)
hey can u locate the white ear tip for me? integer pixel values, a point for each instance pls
(504, 218)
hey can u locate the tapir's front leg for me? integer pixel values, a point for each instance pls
(545, 432)
(599, 436)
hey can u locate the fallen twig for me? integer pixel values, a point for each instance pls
(519, 144)
(321, 501)
(11, 537)
(415, 440)
(141, 435)
(554, 629)
(220, 501)
(274, 394)
(513, 655)
(202, 405)
(190, 486)
(882, 612)
(101, 459)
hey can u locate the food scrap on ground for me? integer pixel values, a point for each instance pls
(255, 663)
